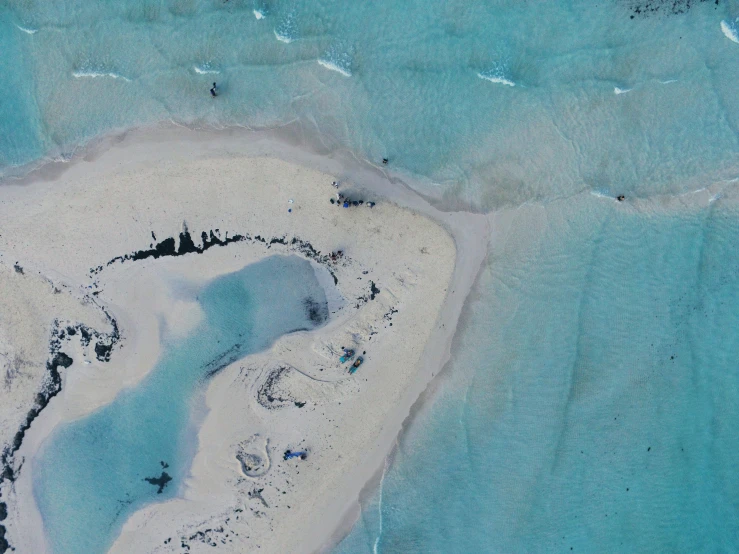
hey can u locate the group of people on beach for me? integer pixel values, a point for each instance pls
(344, 202)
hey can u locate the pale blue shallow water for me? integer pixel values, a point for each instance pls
(419, 92)
(597, 353)
(90, 475)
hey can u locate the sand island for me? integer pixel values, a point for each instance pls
(104, 259)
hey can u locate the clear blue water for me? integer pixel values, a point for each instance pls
(591, 403)
(91, 473)
(419, 90)
(597, 351)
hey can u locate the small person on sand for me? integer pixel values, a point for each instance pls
(335, 184)
(213, 92)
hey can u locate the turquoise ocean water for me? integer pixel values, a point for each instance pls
(424, 83)
(590, 400)
(90, 475)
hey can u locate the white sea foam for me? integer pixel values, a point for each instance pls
(333, 67)
(730, 31)
(376, 546)
(285, 31)
(205, 69)
(94, 74)
(283, 38)
(338, 58)
(618, 90)
(27, 31)
(496, 76)
(259, 14)
(668, 81)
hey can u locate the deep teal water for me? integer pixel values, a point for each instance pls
(91, 473)
(591, 403)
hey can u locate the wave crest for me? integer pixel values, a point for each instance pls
(27, 30)
(205, 69)
(286, 31)
(730, 31)
(337, 58)
(498, 73)
(82, 74)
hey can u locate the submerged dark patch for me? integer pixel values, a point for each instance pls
(647, 8)
(317, 312)
(160, 481)
(222, 360)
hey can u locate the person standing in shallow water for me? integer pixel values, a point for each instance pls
(213, 91)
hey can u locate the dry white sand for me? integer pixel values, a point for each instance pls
(241, 494)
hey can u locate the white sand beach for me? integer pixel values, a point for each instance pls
(401, 281)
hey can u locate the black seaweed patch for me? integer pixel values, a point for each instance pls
(647, 8)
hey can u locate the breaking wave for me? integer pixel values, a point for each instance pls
(498, 75)
(205, 69)
(27, 30)
(286, 31)
(94, 74)
(338, 59)
(730, 31)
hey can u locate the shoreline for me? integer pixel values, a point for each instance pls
(468, 231)
(290, 142)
